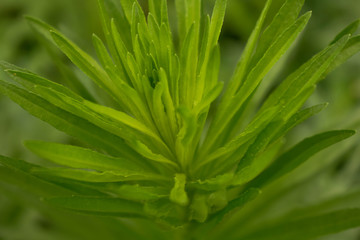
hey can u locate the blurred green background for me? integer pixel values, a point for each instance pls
(78, 19)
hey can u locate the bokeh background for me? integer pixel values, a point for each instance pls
(336, 172)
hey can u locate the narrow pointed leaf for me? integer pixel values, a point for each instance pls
(29, 80)
(85, 63)
(299, 154)
(42, 30)
(310, 227)
(272, 55)
(77, 157)
(254, 128)
(259, 164)
(350, 29)
(299, 117)
(97, 177)
(18, 173)
(308, 74)
(67, 122)
(109, 119)
(99, 206)
(285, 17)
(217, 20)
(351, 48)
(238, 77)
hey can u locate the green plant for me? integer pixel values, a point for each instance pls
(160, 138)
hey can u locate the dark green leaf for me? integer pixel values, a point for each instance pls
(99, 206)
(308, 228)
(299, 154)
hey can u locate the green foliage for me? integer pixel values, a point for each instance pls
(171, 145)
